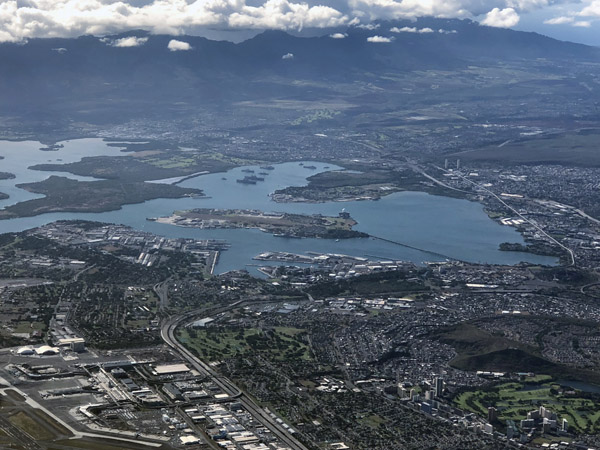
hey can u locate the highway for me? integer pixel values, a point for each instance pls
(167, 332)
(160, 289)
(417, 169)
(569, 251)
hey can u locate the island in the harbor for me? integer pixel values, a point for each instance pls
(7, 176)
(279, 224)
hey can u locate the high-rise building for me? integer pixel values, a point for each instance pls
(401, 391)
(492, 414)
(438, 386)
(511, 429)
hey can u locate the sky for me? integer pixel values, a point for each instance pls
(577, 21)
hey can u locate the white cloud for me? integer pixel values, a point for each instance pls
(288, 56)
(130, 41)
(369, 10)
(559, 20)
(369, 26)
(23, 19)
(528, 5)
(591, 10)
(176, 46)
(583, 24)
(501, 18)
(403, 30)
(412, 30)
(338, 35)
(379, 39)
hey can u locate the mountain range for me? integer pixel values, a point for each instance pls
(93, 79)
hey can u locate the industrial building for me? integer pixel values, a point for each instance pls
(171, 369)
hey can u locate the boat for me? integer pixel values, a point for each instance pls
(267, 167)
(248, 170)
(246, 181)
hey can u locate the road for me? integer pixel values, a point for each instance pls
(76, 277)
(587, 216)
(161, 290)
(584, 290)
(168, 335)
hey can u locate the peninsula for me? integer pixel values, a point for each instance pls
(62, 194)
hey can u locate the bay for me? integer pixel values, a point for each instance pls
(454, 228)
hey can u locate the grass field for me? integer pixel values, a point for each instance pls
(279, 343)
(373, 421)
(30, 426)
(210, 162)
(27, 327)
(34, 422)
(174, 163)
(99, 444)
(577, 149)
(324, 114)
